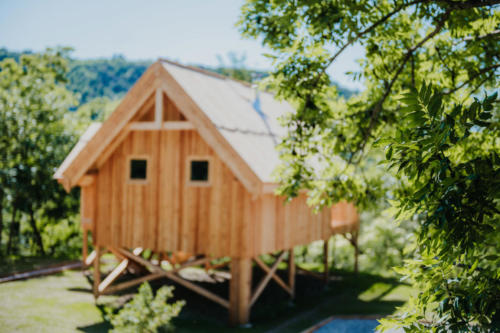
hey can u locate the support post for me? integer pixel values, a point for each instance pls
(97, 271)
(325, 261)
(291, 272)
(240, 290)
(356, 251)
(85, 246)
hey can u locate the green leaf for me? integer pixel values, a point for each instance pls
(474, 266)
(388, 154)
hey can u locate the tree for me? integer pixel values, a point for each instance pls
(34, 140)
(409, 47)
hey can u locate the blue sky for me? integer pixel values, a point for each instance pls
(191, 31)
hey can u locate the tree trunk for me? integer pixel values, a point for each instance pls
(14, 226)
(38, 237)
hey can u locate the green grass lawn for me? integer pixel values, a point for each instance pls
(64, 303)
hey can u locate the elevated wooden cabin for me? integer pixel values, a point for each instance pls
(184, 164)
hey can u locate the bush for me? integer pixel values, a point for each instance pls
(146, 312)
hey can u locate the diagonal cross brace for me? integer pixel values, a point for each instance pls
(275, 277)
(158, 272)
(267, 278)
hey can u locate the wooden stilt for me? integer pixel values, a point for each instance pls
(325, 261)
(239, 290)
(97, 271)
(356, 251)
(291, 272)
(85, 246)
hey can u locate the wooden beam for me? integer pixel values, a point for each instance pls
(191, 263)
(166, 126)
(356, 250)
(90, 258)
(140, 260)
(239, 290)
(325, 261)
(87, 180)
(202, 291)
(117, 254)
(115, 273)
(158, 107)
(144, 126)
(275, 277)
(131, 283)
(172, 276)
(85, 246)
(291, 271)
(97, 271)
(266, 279)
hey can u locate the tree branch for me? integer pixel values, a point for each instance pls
(470, 3)
(491, 34)
(404, 60)
(368, 30)
(471, 78)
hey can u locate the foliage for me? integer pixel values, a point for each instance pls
(96, 110)
(329, 149)
(147, 312)
(382, 246)
(34, 140)
(110, 78)
(237, 68)
(455, 190)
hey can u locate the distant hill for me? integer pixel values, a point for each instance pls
(104, 77)
(113, 77)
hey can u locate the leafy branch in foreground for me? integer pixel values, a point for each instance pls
(447, 155)
(453, 44)
(146, 312)
(455, 193)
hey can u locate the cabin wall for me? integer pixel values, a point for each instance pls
(285, 225)
(87, 206)
(165, 213)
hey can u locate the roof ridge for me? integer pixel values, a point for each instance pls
(204, 71)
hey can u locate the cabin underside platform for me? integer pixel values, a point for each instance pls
(188, 271)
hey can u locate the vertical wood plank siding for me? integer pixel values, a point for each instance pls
(165, 213)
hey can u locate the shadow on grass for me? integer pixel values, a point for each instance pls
(349, 294)
(96, 328)
(15, 265)
(81, 290)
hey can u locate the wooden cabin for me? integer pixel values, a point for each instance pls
(184, 166)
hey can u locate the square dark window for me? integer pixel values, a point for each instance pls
(199, 171)
(138, 169)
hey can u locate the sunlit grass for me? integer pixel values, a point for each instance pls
(64, 303)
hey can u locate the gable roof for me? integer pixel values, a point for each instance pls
(239, 123)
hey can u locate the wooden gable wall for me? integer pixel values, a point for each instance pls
(166, 213)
